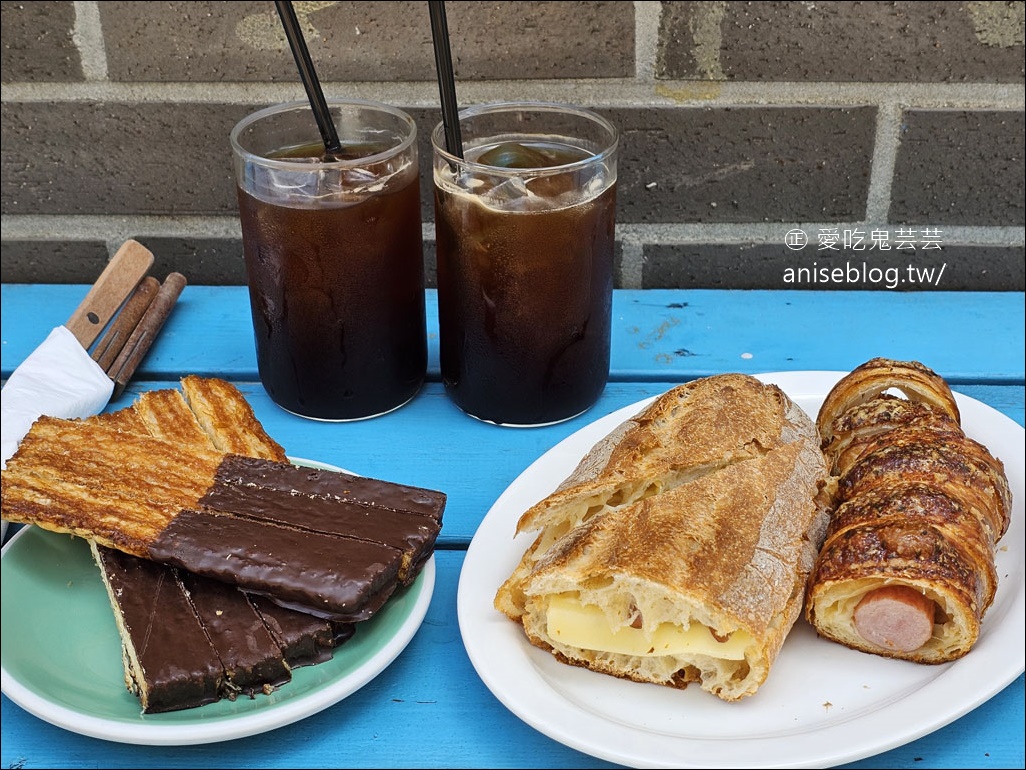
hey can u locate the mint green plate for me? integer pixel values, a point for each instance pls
(61, 653)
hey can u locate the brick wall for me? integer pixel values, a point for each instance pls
(859, 124)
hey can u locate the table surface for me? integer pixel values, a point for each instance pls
(429, 708)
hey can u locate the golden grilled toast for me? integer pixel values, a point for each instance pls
(228, 420)
(119, 478)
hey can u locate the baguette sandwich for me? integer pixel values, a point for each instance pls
(678, 550)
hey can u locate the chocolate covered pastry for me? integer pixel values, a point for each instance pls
(171, 502)
(188, 641)
(248, 540)
(304, 639)
(177, 668)
(311, 499)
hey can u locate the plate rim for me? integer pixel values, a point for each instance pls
(809, 384)
(247, 724)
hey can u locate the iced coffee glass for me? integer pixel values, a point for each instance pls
(334, 257)
(524, 226)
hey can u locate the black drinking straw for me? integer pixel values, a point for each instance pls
(446, 79)
(308, 75)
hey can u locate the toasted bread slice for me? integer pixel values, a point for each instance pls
(228, 420)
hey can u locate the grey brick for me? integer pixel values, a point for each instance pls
(203, 261)
(46, 261)
(36, 43)
(147, 158)
(367, 41)
(100, 158)
(842, 41)
(744, 164)
(767, 266)
(526, 40)
(960, 167)
(677, 164)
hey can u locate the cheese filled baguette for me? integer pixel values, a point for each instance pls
(907, 568)
(679, 549)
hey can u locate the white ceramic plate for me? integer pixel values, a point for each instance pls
(61, 653)
(822, 704)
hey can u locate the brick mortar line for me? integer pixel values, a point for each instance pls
(646, 39)
(111, 228)
(632, 259)
(88, 38)
(610, 93)
(885, 156)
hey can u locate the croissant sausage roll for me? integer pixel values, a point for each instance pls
(955, 464)
(898, 585)
(861, 425)
(900, 515)
(866, 382)
(907, 566)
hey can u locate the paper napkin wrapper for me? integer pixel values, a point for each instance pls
(57, 379)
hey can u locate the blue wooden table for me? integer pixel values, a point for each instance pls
(429, 708)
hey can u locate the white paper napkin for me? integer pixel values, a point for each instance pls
(58, 379)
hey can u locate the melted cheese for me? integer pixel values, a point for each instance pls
(585, 626)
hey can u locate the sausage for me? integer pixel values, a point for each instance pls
(895, 617)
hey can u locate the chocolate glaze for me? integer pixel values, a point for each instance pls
(245, 643)
(304, 640)
(327, 575)
(180, 668)
(342, 632)
(251, 659)
(283, 477)
(414, 534)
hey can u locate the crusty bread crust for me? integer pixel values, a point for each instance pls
(689, 431)
(706, 508)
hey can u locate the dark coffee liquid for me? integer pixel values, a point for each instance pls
(337, 295)
(525, 302)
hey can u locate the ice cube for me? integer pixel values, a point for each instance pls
(511, 195)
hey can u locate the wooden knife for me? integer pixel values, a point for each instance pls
(119, 278)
